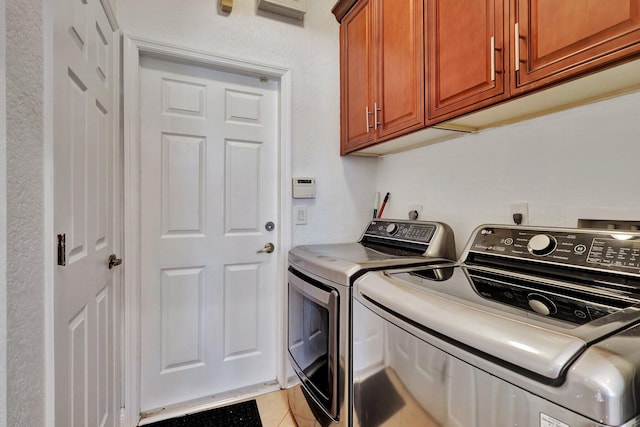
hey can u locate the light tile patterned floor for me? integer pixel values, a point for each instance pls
(274, 410)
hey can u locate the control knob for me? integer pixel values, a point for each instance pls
(541, 244)
(541, 304)
(392, 228)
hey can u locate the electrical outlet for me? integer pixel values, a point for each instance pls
(417, 208)
(521, 208)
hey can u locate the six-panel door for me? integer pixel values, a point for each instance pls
(209, 184)
(86, 294)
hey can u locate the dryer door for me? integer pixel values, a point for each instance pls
(313, 338)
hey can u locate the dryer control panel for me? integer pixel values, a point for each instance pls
(413, 231)
(404, 237)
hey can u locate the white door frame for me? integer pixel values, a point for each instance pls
(134, 47)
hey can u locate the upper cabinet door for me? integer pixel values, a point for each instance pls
(382, 71)
(357, 81)
(399, 101)
(554, 40)
(466, 49)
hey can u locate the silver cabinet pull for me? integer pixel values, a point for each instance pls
(268, 248)
(493, 59)
(375, 115)
(114, 261)
(366, 109)
(517, 46)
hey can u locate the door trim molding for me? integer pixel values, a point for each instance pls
(135, 47)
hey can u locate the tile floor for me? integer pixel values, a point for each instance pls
(274, 410)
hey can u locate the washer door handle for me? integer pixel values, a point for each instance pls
(268, 248)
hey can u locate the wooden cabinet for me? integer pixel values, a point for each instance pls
(466, 55)
(356, 78)
(556, 40)
(409, 64)
(479, 55)
(382, 71)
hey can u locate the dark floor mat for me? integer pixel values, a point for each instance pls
(244, 414)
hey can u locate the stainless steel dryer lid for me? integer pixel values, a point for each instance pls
(385, 243)
(341, 262)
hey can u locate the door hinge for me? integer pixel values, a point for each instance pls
(62, 249)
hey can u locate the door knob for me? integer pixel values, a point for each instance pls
(114, 261)
(268, 248)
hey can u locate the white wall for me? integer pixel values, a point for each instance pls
(579, 163)
(554, 163)
(311, 50)
(25, 212)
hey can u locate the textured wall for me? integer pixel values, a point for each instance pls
(579, 163)
(25, 259)
(311, 50)
(3, 222)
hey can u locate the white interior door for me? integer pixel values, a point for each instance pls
(209, 184)
(86, 297)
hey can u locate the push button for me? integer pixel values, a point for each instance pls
(579, 249)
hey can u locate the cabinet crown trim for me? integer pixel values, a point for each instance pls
(341, 8)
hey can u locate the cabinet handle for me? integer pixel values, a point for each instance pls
(375, 115)
(517, 46)
(493, 59)
(366, 109)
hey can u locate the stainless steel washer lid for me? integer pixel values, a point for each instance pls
(541, 351)
(601, 383)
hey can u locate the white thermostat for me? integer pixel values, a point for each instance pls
(304, 188)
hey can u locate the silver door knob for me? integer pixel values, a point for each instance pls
(268, 248)
(114, 261)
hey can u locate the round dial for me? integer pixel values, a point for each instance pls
(392, 228)
(541, 304)
(541, 244)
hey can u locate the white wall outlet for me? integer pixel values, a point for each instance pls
(520, 208)
(300, 215)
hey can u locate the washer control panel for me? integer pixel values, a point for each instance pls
(608, 251)
(412, 231)
(562, 307)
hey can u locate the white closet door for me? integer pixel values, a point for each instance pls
(86, 298)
